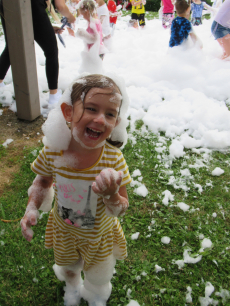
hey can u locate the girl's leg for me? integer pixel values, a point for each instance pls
(45, 37)
(225, 44)
(97, 287)
(4, 58)
(164, 21)
(72, 276)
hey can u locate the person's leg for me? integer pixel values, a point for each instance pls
(72, 276)
(164, 21)
(45, 37)
(4, 58)
(142, 20)
(97, 287)
(225, 44)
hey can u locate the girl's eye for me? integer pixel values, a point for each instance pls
(111, 115)
(91, 109)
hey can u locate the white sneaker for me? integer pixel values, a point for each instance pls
(53, 99)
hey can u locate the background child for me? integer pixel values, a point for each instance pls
(93, 32)
(138, 11)
(103, 15)
(113, 13)
(197, 7)
(90, 177)
(167, 13)
(221, 28)
(92, 37)
(181, 26)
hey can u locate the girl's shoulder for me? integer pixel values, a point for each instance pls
(111, 148)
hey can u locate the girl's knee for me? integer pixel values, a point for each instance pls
(67, 272)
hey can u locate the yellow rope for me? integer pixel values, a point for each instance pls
(7, 221)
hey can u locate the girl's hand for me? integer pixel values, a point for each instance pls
(30, 218)
(107, 182)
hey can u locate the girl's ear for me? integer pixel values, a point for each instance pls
(67, 111)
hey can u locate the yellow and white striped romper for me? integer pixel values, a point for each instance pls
(71, 243)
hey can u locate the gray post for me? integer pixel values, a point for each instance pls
(20, 37)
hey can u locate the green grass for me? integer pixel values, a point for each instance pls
(26, 276)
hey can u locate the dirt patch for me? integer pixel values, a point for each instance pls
(24, 133)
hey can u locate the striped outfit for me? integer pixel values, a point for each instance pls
(71, 233)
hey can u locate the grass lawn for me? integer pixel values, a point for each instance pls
(150, 275)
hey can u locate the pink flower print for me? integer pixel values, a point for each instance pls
(68, 221)
(80, 213)
(77, 225)
(80, 196)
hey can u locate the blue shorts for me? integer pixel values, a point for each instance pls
(218, 31)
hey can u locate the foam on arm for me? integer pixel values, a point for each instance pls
(38, 193)
(87, 37)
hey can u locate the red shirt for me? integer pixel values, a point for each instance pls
(112, 8)
(168, 6)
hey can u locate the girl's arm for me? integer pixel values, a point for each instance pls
(37, 194)
(64, 11)
(115, 197)
(87, 37)
(136, 3)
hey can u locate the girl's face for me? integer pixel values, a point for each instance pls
(100, 117)
(85, 13)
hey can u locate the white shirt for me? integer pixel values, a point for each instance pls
(103, 11)
(223, 15)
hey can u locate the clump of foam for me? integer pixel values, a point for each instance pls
(167, 197)
(135, 236)
(217, 171)
(165, 240)
(57, 135)
(119, 133)
(8, 141)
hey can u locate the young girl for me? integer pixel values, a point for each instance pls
(92, 37)
(167, 13)
(197, 7)
(181, 26)
(89, 176)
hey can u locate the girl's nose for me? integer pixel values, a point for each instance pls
(100, 119)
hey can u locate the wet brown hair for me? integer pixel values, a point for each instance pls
(181, 6)
(83, 85)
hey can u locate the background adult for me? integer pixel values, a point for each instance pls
(44, 35)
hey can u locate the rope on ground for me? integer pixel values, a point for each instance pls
(7, 221)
